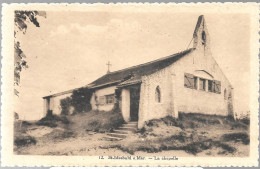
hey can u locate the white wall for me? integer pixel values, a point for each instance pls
(55, 103)
(102, 92)
(177, 98)
(149, 108)
(197, 101)
(126, 104)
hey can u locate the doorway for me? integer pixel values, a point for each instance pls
(134, 102)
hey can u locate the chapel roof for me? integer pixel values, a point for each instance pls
(132, 75)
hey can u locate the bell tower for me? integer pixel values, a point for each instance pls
(201, 36)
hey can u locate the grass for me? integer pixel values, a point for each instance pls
(52, 121)
(59, 135)
(236, 137)
(24, 140)
(104, 121)
(193, 133)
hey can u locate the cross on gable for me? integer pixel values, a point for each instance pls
(108, 66)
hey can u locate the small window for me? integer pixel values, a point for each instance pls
(203, 37)
(210, 86)
(157, 94)
(195, 82)
(110, 99)
(202, 84)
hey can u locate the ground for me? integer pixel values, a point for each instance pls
(83, 134)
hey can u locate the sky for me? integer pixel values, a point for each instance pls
(70, 49)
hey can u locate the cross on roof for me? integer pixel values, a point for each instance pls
(108, 66)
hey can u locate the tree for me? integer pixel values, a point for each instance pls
(21, 19)
(81, 100)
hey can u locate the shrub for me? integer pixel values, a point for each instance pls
(65, 105)
(60, 135)
(245, 121)
(168, 120)
(51, 120)
(197, 147)
(24, 140)
(80, 100)
(118, 92)
(243, 137)
(105, 121)
(26, 123)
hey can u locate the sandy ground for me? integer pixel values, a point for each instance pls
(91, 145)
(87, 145)
(73, 139)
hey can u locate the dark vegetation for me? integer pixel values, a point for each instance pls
(52, 120)
(196, 120)
(105, 121)
(65, 105)
(236, 137)
(24, 140)
(21, 20)
(80, 100)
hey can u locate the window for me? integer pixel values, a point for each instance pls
(110, 99)
(203, 37)
(190, 81)
(101, 100)
(157, 94)
(202, 84)
(195, 82)
(210, 86)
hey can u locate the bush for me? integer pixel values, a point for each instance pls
(65, 105)
(105, 121)
(60, 135)
(243, 137)
(26, 123)
(24, 141)
(197, 147)
(245, 121)
(168, 120)
(52, 120)
(80, 100)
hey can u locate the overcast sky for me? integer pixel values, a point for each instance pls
(70, 49)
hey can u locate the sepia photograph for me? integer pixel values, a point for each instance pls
(130, 82)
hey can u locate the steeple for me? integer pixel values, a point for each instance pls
(201, 35)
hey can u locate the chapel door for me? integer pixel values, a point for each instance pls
(134, 103)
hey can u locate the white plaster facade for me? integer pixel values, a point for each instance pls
(95, 99)
(126, 104)
(54, 103)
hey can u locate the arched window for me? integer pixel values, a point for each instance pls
(157, 94)
(225, 94)
(203, 37)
